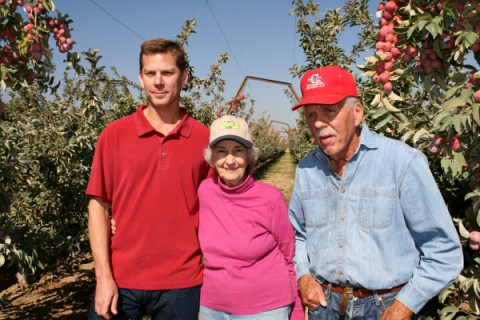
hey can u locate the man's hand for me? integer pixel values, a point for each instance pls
(113, 227)
(397, 311)
(106, 298)
(106, 292)
(311, 292)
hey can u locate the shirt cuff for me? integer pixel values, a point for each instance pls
(301, 270)
(412, 298)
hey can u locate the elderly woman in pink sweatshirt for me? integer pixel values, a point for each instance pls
(245, 235)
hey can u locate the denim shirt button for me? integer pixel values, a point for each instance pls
(342, 190)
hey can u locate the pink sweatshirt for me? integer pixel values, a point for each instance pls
(248, 245)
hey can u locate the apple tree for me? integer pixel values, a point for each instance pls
(426, 92)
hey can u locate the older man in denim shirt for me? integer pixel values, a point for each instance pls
(374, 238)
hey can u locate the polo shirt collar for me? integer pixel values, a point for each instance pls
(143, 127)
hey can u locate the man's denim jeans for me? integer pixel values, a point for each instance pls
(370, 308)
(178, 304)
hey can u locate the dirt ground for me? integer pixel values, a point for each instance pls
(63, 292)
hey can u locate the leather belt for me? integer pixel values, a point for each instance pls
(350, 293)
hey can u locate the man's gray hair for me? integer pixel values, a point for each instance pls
(350, 101)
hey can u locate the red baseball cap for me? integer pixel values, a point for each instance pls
(326, 85)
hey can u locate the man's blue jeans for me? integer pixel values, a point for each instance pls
(370, 308)
(176, 304)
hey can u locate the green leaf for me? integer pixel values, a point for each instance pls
(434, 27)
(467, 38)
(422, 133)
(383, 123)
(408, 135)
(389, 106)
(446, 122)
(452, 91)
(457, 122)
(422, 24)
(49, 5)
(453, 103)
(394, 97)
(475, 112)
(473, 302)
(376, 100)
(462, 230)
(379, 112)
(438, 118)
(448, 312)
(458, 163)
(371, 59)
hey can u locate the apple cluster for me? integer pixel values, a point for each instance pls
(235, 103)
(437, 142)
(32, 36)
(61, 35)
(388, 49)
(386, 45)
(25, 40)
(389, 52)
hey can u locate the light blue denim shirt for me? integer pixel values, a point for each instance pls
(382, 224)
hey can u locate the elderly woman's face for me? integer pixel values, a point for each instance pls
(230, 160)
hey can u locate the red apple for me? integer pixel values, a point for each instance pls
(388, 86)
(455, 143)
(434, 146)
(391, 6)
(476, 96)
(475, 237)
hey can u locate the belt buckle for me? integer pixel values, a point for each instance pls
(347, 294)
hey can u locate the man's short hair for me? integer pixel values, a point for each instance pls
(161, 45)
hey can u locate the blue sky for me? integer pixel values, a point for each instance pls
(258, 35)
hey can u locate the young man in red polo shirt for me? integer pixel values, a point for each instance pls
(145, 173)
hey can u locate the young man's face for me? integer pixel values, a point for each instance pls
(334, 126)
(162, 80)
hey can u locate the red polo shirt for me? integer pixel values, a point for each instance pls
(151, 181)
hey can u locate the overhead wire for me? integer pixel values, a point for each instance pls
(201, 10)
(294, 41)
(225, 38)
(117, 20)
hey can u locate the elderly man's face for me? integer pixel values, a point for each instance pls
(334, 128)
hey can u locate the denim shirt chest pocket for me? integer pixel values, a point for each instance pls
(374, 206)
(315, 207)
